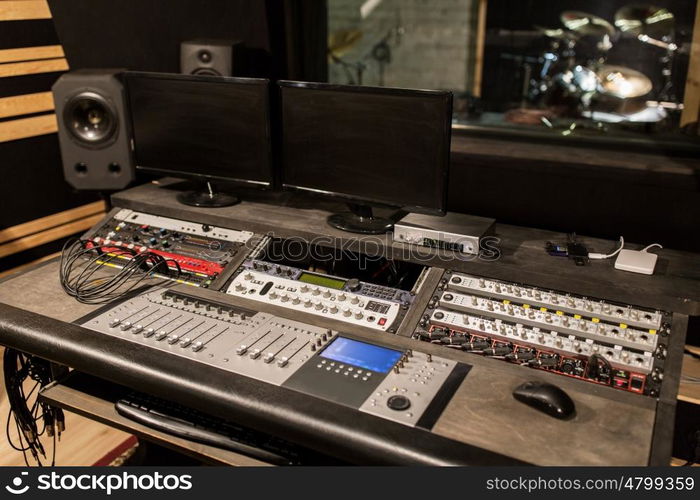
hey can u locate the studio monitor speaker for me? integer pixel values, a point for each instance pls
(94, 129)
(210, 57)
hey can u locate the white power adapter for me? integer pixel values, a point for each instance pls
(637, 261)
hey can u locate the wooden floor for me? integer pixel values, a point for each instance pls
(84, 441)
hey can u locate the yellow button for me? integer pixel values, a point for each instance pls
(543, 309)
(595, 320)
(577, 316)
(623, 326)
(560, 313)
(653, 332)
(526, 306)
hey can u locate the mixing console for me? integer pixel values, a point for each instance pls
(398, 385)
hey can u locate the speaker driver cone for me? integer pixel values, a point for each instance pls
(90, 118)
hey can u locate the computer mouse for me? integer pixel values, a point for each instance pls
(547, 398)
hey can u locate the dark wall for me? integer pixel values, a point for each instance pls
(146, 34)
(644, 205)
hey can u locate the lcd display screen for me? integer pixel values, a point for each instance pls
(361, 354)
(326, 281)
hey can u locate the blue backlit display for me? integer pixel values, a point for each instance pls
(361, 354)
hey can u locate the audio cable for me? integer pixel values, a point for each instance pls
(32, 418)
(81, 260)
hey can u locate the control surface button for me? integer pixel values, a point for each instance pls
(398, 403)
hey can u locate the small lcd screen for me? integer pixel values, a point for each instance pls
(361, 354)
(315, 279)
(212, 127)
(379, 145)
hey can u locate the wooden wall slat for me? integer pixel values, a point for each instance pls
(21, 10)
(27, 127)
(37, 225)
(26, 104)
(31, 53)
(49, 235)
(33, 67)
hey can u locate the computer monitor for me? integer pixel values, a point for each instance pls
(371, 146)
(206, 128)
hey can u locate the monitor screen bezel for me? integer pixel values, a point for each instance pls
(352, 198)
(270, 170)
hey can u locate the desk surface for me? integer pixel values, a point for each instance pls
(482, 414)
(483, 423)
(675, 285)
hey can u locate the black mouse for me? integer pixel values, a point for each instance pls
(547, 398)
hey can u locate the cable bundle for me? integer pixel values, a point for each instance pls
(19, 367)
(80, 260)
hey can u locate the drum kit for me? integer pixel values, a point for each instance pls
(599, 91)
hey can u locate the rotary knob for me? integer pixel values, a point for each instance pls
(327, 293)
(398, 403)
(304, 289)
(354, 300)
(274, 295)
(308, 303)
(359, 315)
(347, 311)
(315, 291)
(318, 305)
(333, 310)
(342, 297)
(353, 284)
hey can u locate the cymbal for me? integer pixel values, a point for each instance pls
(342, 41)
(559, 33)
(586, 24)
(623, 82)
(644, 20)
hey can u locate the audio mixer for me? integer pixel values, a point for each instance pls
(201, 251)
(348, 300)
(613, 344)
(398, 385)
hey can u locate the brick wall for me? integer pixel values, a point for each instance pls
(436, 50)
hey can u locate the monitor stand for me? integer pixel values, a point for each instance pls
(360, 220)
(207, 198)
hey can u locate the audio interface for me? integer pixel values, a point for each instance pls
(619, 345)
(200, 251)
(456, 232)
(348, 300)
(398, 385)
